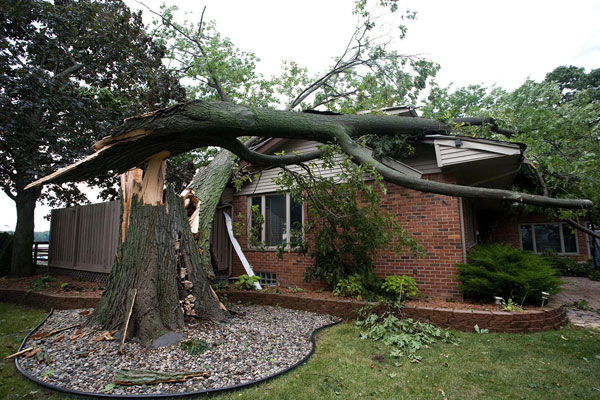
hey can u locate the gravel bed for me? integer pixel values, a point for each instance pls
(257, 342)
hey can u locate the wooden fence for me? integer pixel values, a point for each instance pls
(85, 238)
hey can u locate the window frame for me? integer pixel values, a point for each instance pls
(560, 230)
(263, 209)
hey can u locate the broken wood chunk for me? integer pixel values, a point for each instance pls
(18, 353)
(42, 335)
(106, 335)
(144, 377)
(32, 353)
(78, 335)
(59, 338)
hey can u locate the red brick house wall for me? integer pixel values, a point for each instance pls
(433, 220)
(506, 230)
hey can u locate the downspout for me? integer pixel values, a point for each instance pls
(463, 241)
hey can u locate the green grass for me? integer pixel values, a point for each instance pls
(483, 366)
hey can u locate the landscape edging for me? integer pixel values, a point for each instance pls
(552, 317)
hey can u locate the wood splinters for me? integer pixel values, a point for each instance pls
(59, 338)
(18, 353)
(133, 294)
(128, 377)
(32, 353)
(42, 335)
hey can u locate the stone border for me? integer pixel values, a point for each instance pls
(552, 316)
(47, 301)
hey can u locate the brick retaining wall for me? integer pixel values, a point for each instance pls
(552, 317)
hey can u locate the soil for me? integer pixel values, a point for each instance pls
(421, 302)
(77, 287)
(54, 284)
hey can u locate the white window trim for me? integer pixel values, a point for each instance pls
(263, 209)
(560, 231)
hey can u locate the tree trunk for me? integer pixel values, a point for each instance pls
(207, 186)
(22, 264)
(158, 257)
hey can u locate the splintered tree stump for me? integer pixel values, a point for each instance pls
(158, 243)
(145, 377)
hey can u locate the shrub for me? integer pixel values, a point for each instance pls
(567, 266)
(500, 270)
(245, 282)
(400, 286)
(351, 286)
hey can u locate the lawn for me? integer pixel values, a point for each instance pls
(561, 364)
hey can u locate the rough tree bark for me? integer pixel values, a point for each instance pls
(206, 188)
(158, 257)
(21, 264)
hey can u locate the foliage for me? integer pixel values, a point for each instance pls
(351, 286)
(346, 217)
(220, 284)
(511, 306)
(479, 330)
(256, 225)
(406, 337)
(195, 346)
(557, 119)
(594, 275)
(6, 247)
(583, 305)
(401, 287)
(500, 270)
(567, 266)
(41, 282)
(245, 282)
(69, 72)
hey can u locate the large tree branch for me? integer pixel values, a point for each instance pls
(196, 124)
(582, 228)
(361, 155)
(240, 150)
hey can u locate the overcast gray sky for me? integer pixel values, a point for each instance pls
(498, 43)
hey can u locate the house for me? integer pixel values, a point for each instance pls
(447, 227)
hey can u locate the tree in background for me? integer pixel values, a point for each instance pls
(69, 71)
(558, 120)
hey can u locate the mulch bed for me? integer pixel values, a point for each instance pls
(74, 287)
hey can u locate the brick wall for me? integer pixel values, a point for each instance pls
(433, 220)
(506, 230)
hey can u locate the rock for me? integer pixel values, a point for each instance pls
(167, 339)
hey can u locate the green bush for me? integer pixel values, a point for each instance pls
(245, 282)
(500, 270)
(566, 266)
(400, 286)
(351, 286)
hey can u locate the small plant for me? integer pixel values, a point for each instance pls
(245, 282)
(195, 347)
(480, 330)
(221, 284)
(65, 286)
(351, 286)
(296, 289)
(594, 275)
(511, 306)
(401, 287)
(41, 282)
(567, 266)
(583, 305)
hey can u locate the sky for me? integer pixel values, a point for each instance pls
(499, 43)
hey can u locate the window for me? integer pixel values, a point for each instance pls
(557, 237)
(280, 217)
(267, 278)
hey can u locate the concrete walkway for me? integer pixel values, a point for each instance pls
(576, 290)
